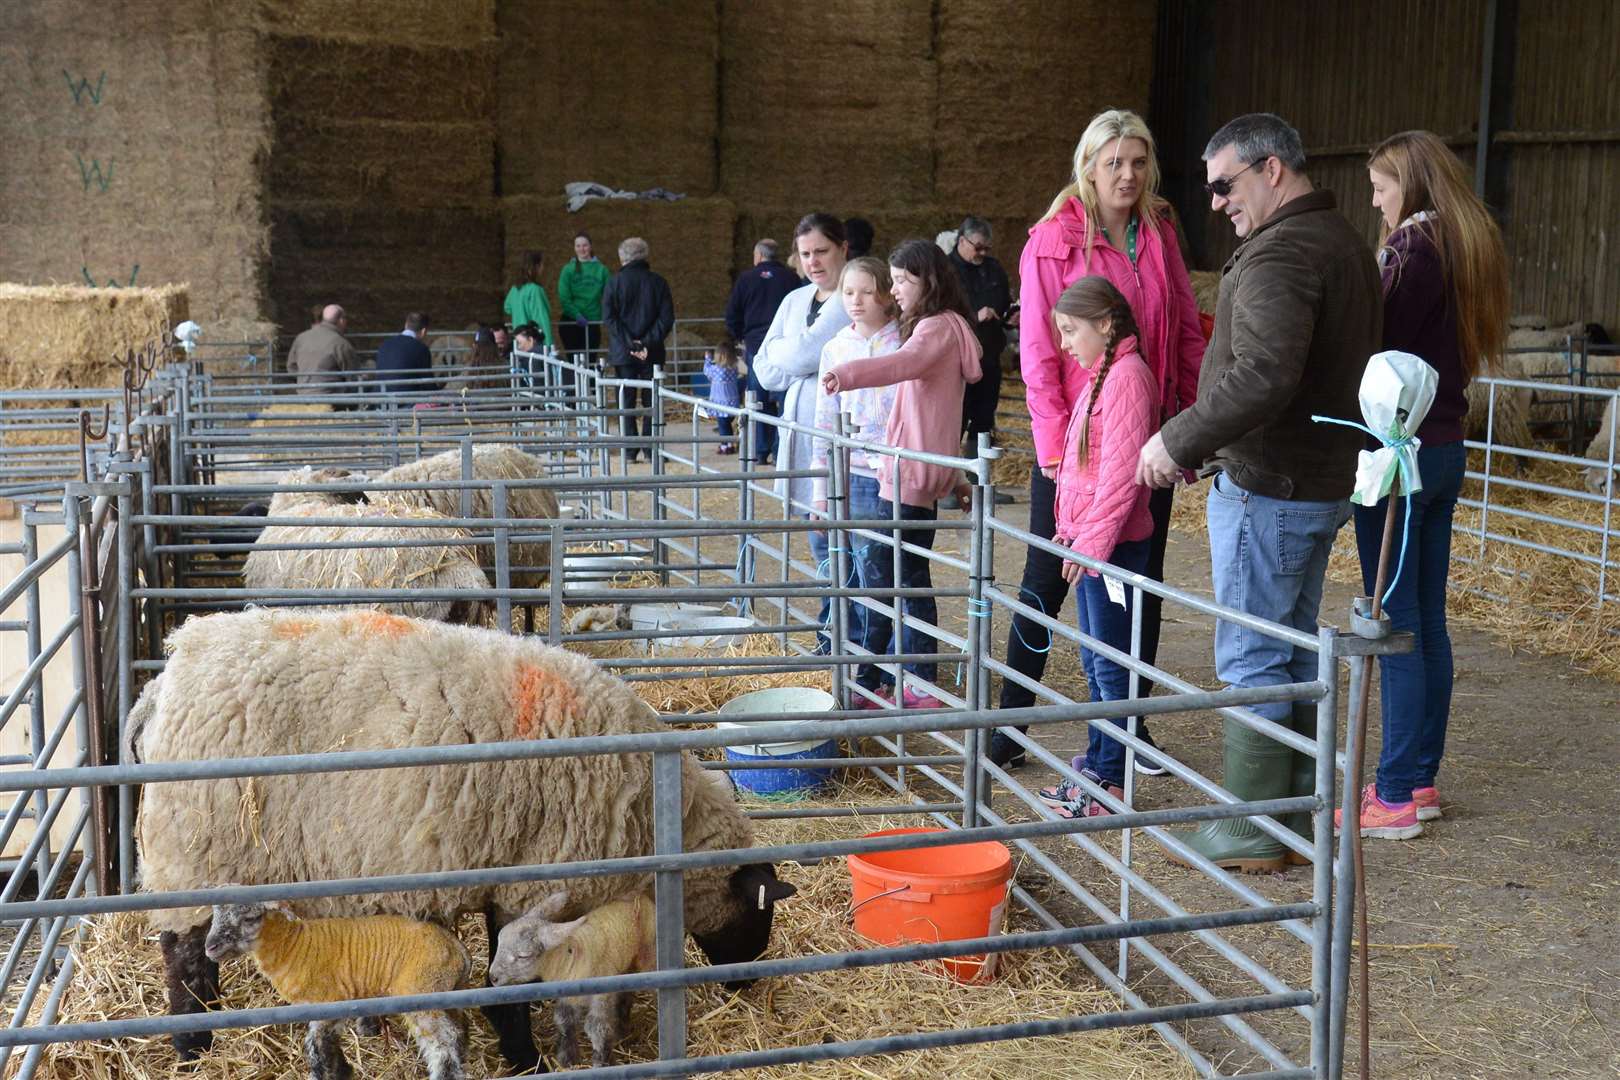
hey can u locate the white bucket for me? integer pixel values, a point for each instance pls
(588, 571)
(656, 616)
(778, 699)
(708, 632)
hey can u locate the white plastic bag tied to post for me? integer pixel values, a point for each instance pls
(187, 335)
(1396, 392)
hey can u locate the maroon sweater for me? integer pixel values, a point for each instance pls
(1420, 317)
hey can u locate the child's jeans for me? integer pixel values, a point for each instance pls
(1108, 622)
(874, 561)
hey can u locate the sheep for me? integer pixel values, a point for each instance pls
(319, 960)
(615, 939)
(489, 463)
(1598, 450)
(277, 681)
(443, 564)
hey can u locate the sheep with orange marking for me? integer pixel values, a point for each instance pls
(263, 682)
(416, 557)
(530, 559)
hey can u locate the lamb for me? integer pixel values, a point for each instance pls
(531, 560)
(319, 960)
(615, 939)
(444, 564)
(269, 681)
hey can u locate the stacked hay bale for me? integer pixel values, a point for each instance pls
(72, 336)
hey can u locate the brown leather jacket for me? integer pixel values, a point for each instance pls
(316, 353)
(1300, 313)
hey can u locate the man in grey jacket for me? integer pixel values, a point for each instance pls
(320, 354)
(1300, 312)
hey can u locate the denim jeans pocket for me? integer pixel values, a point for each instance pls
(1299, 532)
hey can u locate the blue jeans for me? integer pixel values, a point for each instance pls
(1267, 558)
(854, 614)
(1416, 686)
(1109, 623)
(770, 402)
(875, 565)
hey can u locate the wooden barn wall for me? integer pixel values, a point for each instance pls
(1348, 75)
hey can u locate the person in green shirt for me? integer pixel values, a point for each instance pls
(579, 288)
(526, 302)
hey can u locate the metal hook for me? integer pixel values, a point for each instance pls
(89, 434)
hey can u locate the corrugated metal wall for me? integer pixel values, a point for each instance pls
(1348, 75)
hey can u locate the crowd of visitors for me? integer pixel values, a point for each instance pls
(1126, 398)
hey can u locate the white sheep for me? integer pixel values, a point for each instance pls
(442, 564)
(488, 463)
(320, 960)
(1598, 450)
(268, 681)
(615, 939)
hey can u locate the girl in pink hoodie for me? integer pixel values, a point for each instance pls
(938, 358)
(1101, 511)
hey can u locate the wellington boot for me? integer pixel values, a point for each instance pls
(1257, 767)
(1302, 779)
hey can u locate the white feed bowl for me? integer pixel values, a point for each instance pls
(708, 632)
(654, 616)
(778, 699)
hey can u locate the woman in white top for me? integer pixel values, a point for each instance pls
(790, 357)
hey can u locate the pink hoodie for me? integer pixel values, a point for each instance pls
(1100, 504)
(1158, 290)
(933, 367)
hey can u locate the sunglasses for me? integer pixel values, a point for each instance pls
(1223, 187)
(979, 247)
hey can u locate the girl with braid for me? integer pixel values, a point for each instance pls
(1101, 511)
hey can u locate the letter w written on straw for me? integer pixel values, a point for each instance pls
(83, 89)
(92, 172)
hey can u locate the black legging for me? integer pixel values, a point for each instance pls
(1044, 589)
(636, 397)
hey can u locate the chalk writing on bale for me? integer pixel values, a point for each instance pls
(112, 283)
(82, 89)
(93, 172)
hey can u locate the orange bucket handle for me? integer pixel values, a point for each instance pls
(917, 898)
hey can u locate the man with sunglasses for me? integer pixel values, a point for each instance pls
(989, 297)
(1300, 312)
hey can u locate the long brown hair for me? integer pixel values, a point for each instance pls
(1094, 298)
(1106, 129)
(1464, 235)
(941, 288)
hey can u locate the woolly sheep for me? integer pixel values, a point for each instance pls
(1598, 450)
(442, 565)
(615, 939)
(319, 960)
(489, 463)
(267, 681)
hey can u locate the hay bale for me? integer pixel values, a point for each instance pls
(445, 565)
(69, 336)
(626, 96)
(394, 163)
(489, 463)
(1206, 286)
(690, 241)
(421, 22)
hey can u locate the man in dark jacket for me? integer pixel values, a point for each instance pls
(639, 313)
(1299, 314)
(406, 358)
(989, 297)
(754, 299)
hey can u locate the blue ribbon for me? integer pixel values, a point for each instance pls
(1406, 466)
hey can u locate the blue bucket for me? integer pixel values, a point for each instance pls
(781, 783)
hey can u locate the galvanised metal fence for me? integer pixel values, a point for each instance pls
(174, 531)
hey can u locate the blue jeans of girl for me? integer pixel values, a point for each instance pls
(1416, 686)
(1110, 623)
(874, 564)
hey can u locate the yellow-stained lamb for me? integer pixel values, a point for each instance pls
(320, 960)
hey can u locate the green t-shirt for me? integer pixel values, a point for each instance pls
(529, 304)
(579, 288)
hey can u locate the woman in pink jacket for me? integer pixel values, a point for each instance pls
(938, 358)
(1111, 223)
(1101, 511)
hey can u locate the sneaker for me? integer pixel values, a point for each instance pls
(1069, 800)
(1006, 753)
(1428, 803)
(1067, 792)
(726, 448)
(1090, 807)
(914, 699)
(885, 696)
(1147, 766)
(1381, 820)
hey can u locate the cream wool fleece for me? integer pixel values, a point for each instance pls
(291, 682)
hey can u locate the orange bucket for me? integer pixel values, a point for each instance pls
(931, 895)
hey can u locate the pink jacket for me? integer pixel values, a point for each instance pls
(1158, 290)
(1100, 504)
(933, 367)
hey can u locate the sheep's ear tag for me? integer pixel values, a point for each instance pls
(762, 896)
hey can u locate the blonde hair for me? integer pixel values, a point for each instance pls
(1464, 235)
(1105, 128)
(879, 270)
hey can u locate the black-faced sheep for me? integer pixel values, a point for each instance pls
(489, 463)
(320, 960)
(615, 939)
(287, 682)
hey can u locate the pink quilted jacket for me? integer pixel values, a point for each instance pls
(1100, 504)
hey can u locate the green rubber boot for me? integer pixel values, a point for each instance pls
(1257, 768)
(1302, 778)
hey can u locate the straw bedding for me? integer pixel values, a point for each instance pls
(119, 974)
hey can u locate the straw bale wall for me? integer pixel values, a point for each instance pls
(73, 336)
(690, 242)
(623, 93)
(134, 140)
